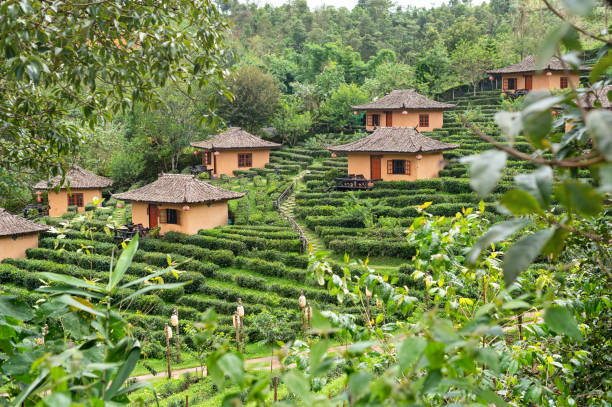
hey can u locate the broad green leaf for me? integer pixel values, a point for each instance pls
(432, 381)
(601, 67)
(537, 183)
(410, 351)
(579, 196)
(579, 7)
(434, 351)
(605, 179)
(556, 243)
(124, 372)
(123, 263)
(152, 287)
(516, 304)
(492, 398)
(58, 399)
(523, 253)
(520, 202)
(561, 320)
(495, 234)
(232, 366)
(485, 170)
(599, 123)
(359, 383)
(548, 45)
(510, 124)
(299, 386)
(11, 306)
(317, 351)
(68, 300)
(64, 289)
(70, 281)
(489, 357)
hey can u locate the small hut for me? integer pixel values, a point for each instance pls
(525, 76)
(180, 203)
(404, 108)
(395, 154)
(598, 99)
(17, 234)
(80, 187)
(234, 149)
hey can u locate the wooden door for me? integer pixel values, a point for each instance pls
(375, 167)
(153, 215)
(528, 82)
(389, 119)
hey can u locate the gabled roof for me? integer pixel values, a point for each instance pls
(235, 138)
(600, 95)
(394, 140)
(404, 99)
(16, 225)
(528, 64)
(178, 189)
(76, 178)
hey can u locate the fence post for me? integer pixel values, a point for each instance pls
(275, 388)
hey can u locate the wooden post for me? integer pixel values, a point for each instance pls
(237, 325)
(178, 343)
(520, 326)
(275, 389)
(186, 400)
(168, 351)
(242, 334)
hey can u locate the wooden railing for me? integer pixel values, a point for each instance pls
(278, 204)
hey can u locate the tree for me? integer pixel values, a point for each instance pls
(470, 62)
(292, 125)
(97, 58)
(255, 100)
(336, 112)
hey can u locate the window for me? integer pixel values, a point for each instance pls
(423, 120)
(375, 120)
(170, 216)
(245, 160)
(563, 82)
(398, 167)
(208, 158)
(510, 83)
(75, 199)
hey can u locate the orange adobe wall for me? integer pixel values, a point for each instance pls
(540, 81)
(436, 119)
(199, 216)
(427, 167)
(227, 161)
(58, 201)
(12, 248)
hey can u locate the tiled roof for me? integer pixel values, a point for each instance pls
(235, 138)
(76, 178)
(394, 140)
(404, 99)
(528, 64)
(16, 225)
(178, 189)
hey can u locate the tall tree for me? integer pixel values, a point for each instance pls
(96, 57)
(255, 99)
(470, 62)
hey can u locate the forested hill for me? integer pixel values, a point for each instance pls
(428, 47)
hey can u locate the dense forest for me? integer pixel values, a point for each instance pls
(336, 262)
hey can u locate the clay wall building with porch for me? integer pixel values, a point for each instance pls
(17, 234)
(395, 154)
(404, 108)
(79, 188)
(526, 76)
(179, 203)
(234, 149)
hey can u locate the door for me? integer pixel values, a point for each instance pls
(375, 167)
(153, 215)
(215, 163)
(528, 82)
(389, 119)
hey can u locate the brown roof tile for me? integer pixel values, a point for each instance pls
(77, 178)
(16, 225)
(178, 189)
(528, 64)
(235, 138)
(404, 99)
(394, 140)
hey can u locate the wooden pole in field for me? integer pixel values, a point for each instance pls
(186, 400)
(168, 333)
(237, 326)
(275, 388)
(175, 323)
